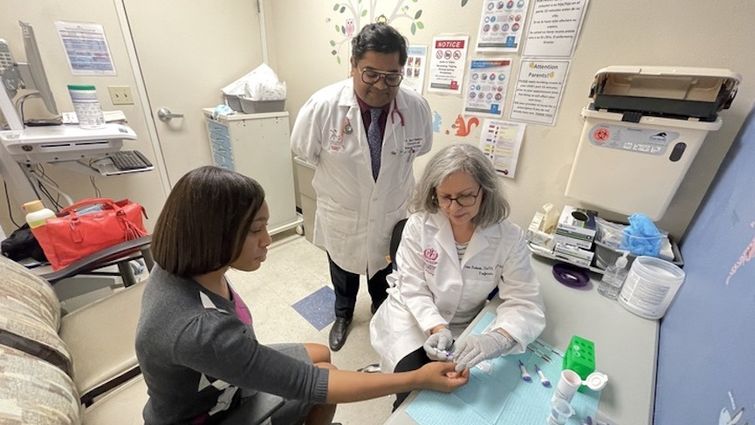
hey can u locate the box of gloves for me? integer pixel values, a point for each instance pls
(577, 227)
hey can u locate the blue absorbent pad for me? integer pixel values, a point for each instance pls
(317, 307)
(499, 396)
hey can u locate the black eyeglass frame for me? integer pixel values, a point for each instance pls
(450, 200)
(384, 76)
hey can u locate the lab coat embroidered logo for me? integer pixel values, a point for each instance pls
(430, 256)
(335, 140)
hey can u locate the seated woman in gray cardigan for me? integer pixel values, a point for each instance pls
(195, 341)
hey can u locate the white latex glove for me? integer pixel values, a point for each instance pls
(476, 348)
(438, 344)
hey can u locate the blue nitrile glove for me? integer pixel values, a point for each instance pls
(476, 348)
(438, 344)
(642, 237)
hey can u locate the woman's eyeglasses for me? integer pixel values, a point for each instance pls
(392, 79)
(462, 200)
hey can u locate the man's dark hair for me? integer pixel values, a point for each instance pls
(205, 221)
(381, 38)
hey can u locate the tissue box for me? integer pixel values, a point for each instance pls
(576, 226)
(249, 106)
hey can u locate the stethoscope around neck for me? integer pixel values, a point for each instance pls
(346, 128)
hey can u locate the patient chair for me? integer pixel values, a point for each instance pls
(398, 230)
(94, 344)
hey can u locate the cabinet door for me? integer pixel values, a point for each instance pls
(261, 151)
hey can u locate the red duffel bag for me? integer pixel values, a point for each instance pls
(72, 236)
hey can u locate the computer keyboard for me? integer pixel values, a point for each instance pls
(129, 160)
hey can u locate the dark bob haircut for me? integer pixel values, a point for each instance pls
(381, 38)
(205, 220)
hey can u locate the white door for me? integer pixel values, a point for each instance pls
(188, 51)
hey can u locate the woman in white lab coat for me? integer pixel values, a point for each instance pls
(456, 248)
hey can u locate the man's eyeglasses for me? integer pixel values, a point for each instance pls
(462, 200)
(392, 79)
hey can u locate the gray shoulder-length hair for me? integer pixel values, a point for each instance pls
(467, 158)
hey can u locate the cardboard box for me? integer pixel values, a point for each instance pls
(568, 240)
(574, 251)
(576, 226)
(571, 259)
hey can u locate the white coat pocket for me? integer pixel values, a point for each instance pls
(341, 222)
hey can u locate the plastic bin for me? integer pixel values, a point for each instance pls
(249, 106)
(233, 102)
(606, 255)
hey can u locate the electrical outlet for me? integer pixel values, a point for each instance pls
(120, 95)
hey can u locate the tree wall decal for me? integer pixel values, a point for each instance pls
(352, 15)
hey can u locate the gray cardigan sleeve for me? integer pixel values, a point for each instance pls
(218, 345)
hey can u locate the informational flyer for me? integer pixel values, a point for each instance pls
(86, 48)
(501, 141)
(538, 92)
(554, 27)
(501, 25)
(414, 70)
(486, 88)
(447, 64)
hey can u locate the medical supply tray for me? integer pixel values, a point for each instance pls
(603, 252)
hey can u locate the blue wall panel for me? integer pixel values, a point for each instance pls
(706, 363)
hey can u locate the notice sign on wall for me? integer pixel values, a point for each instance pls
(486, 88)
(555, 26)
(447, 63)
(501, 141)
(414, 70)
(539, 87)
(86, 48)
(501, 25)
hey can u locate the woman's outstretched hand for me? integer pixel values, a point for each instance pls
(441, 376)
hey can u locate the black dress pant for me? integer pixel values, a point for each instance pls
(412, 361)
(346, 286)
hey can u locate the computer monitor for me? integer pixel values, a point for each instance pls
(37, 78)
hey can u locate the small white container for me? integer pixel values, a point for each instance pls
(650, 286)
(86, 105)
(567, 385)
(37, 214)
(561, 411)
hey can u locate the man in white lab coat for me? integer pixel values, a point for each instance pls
(362, 135)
